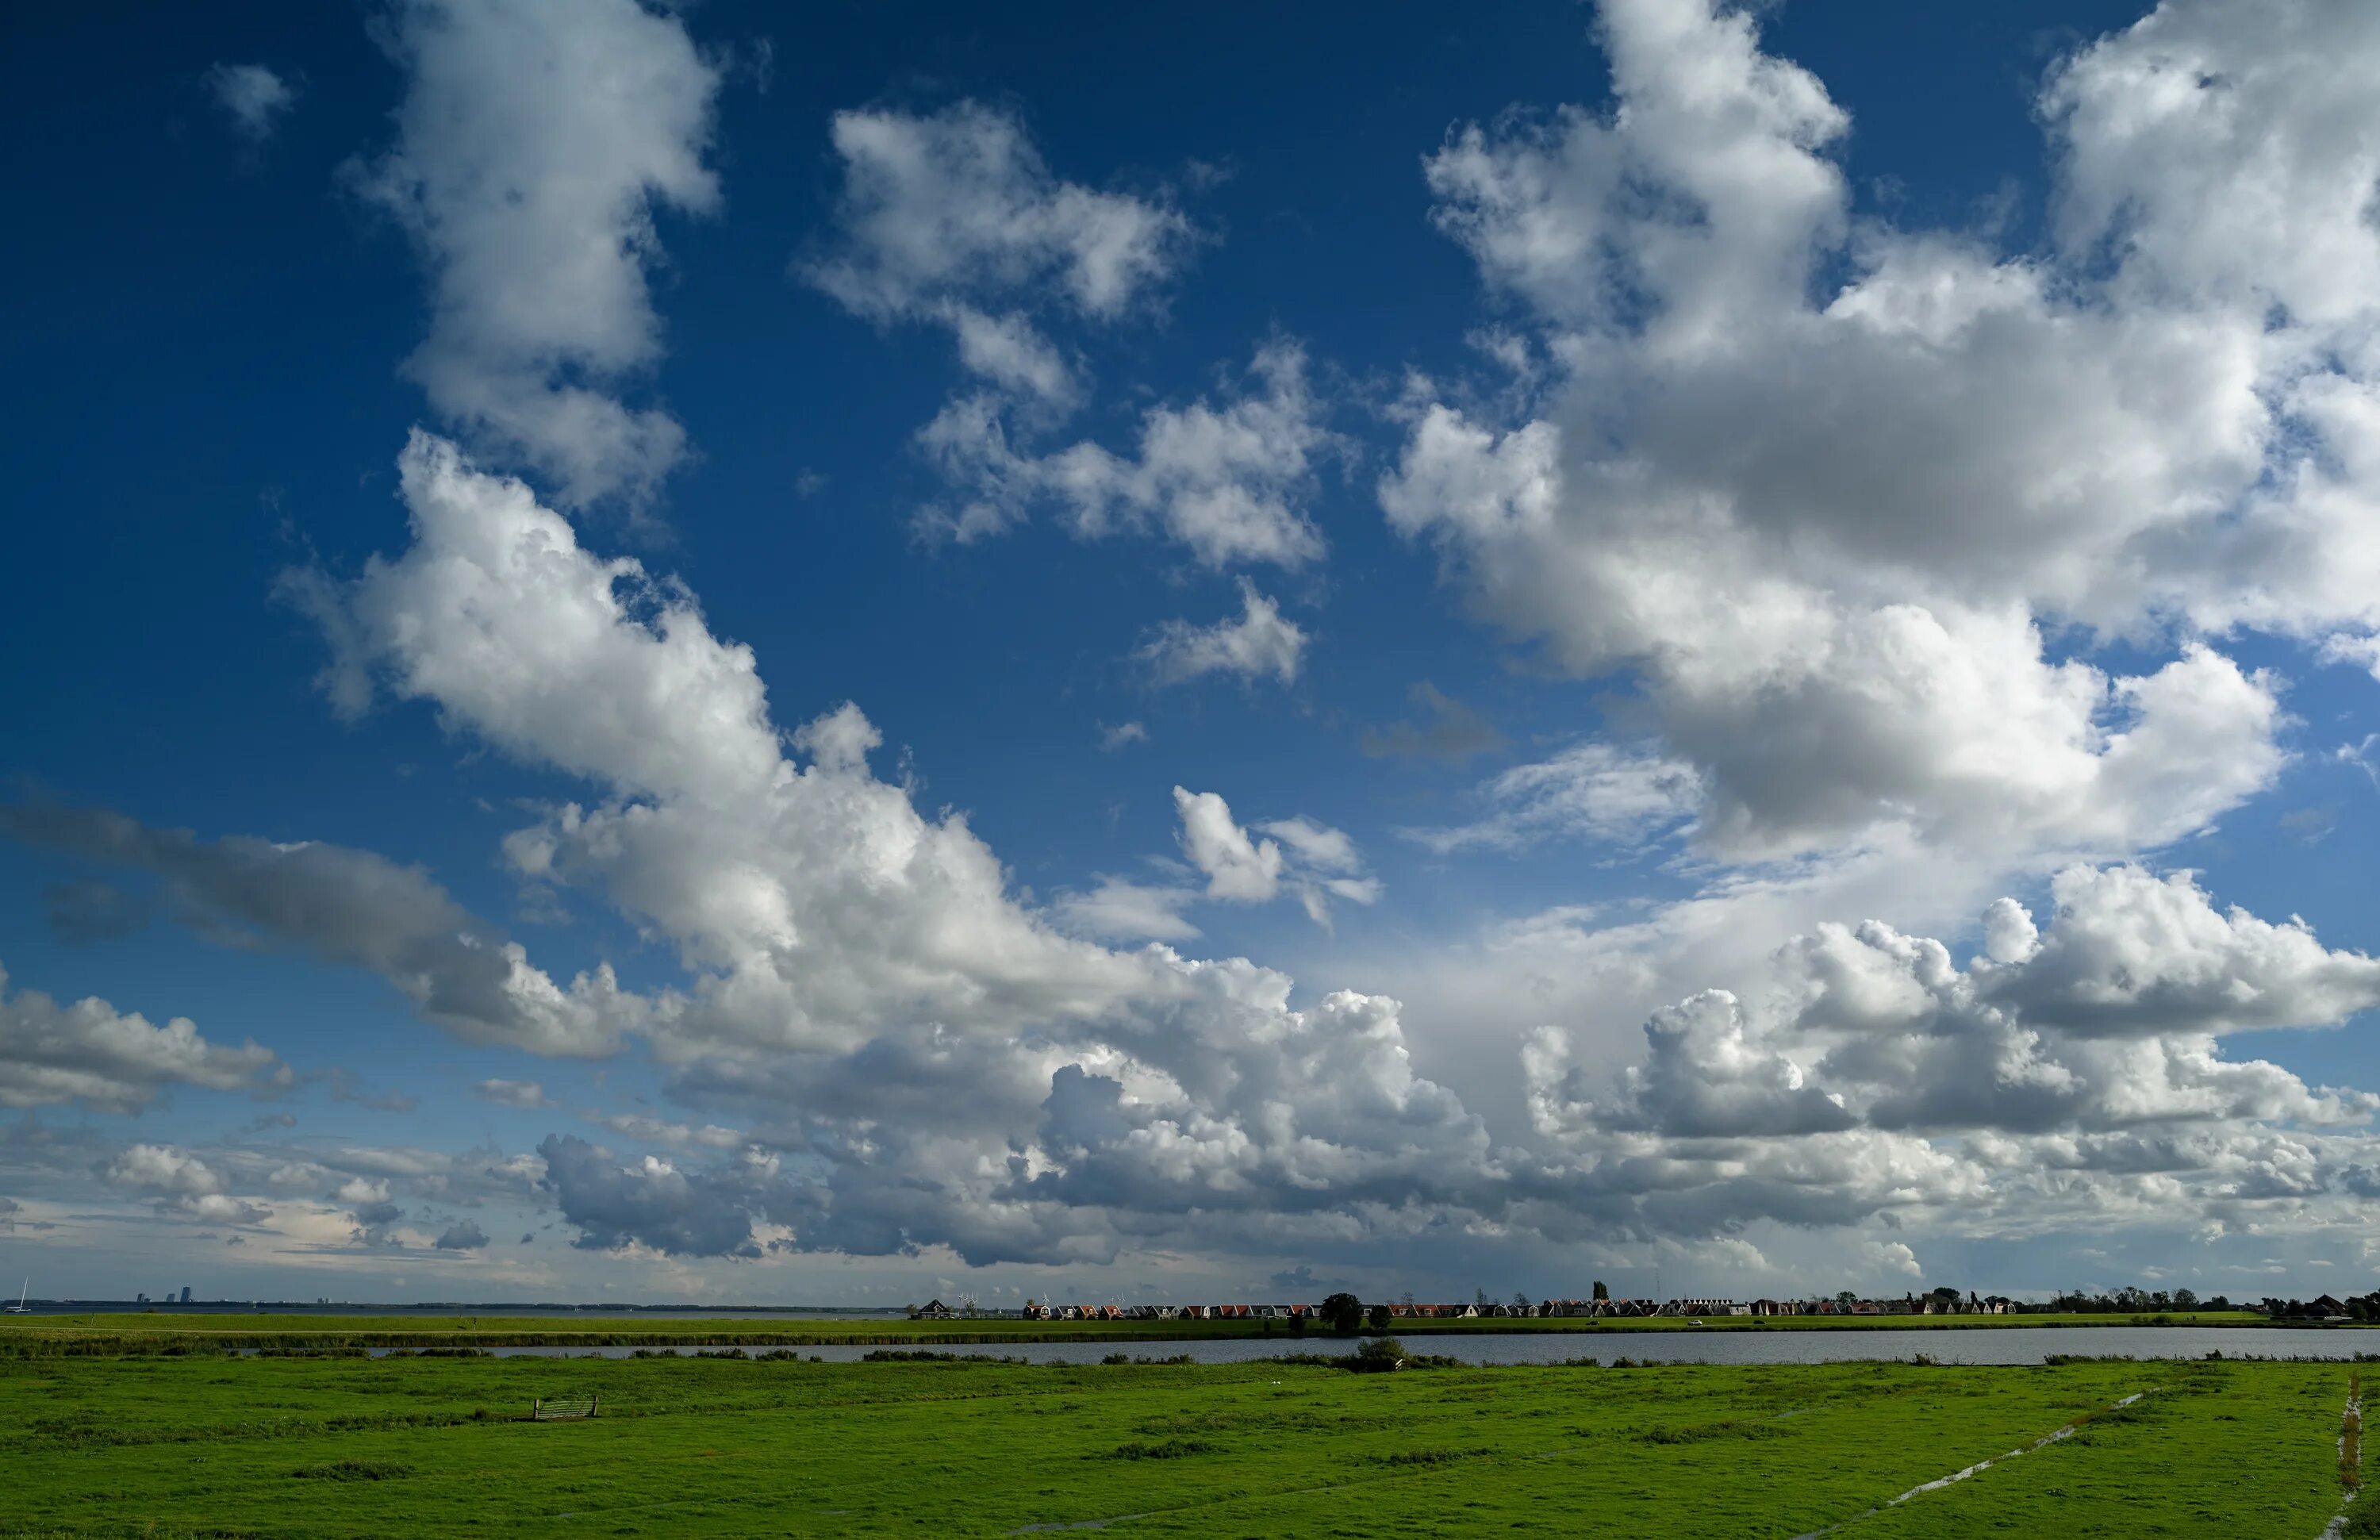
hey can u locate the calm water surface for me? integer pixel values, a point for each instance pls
(1947, 1345)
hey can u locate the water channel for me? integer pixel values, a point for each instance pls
(1945, 1345)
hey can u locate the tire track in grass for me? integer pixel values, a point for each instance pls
(2351, 1455)
(1979, 1467)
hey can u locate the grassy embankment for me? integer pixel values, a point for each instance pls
(112, 1332)
(320, 1446)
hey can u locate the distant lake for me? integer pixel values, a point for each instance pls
(1945, 1345)
(558, 1313)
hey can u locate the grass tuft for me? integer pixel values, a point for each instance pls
(1173, 1449)
(354, 1470)
(1734, 1428)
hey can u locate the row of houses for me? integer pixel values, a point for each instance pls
(1034, 1312)
(1908, 1304)
(1618, 1309)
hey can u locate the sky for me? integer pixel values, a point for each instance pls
(723, 655)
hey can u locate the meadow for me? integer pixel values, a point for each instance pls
(338, 1444)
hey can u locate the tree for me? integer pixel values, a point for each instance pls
(1600, 1292)
(2185, 1299)
(1946, 1292)
(1846, 1297)
(1480, 1298)
(1342, 1312)
(1520, 1303)
(1378, 1317)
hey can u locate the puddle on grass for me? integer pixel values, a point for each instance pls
(2351, 1416)
(1079, 1523)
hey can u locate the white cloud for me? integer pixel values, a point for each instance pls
(1890, 1257)
(1297, 856)
(1113, 738)
(183, 1184)
(1260, 642)
(960, 204)
(660, 1131)
(163, 1168)
(862, 983)
(1235, 867)
(1591, 790)
(918, 1057)
(1319, 862)
(524, 1094)
(91, 1054)
(1115, 909)
(954, 219)
(1230, 482)
(2092, 1050)
(536, 143)
(255, 97)
(1837, 493)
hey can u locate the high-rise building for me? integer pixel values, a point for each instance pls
(186, 1293)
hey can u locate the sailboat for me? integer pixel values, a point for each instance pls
(20, 1307)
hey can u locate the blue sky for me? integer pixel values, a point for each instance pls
(1572, 543)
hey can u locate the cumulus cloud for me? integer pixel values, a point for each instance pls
(958, 205)
(183, 1184)
(916, 1057)
(351, 907)
(863, 982)
(1295, 856)
(536, 143)
(1228, 481)
(1260, 642)
(1848, 503)
(253, 96)
(462, 1235)
(2085, 1058)
(651, 1204)
(91, 1054)
(953, 219)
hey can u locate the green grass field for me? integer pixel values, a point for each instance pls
(221, 1446)
(109, 1333)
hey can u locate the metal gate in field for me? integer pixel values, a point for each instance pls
(555, 1409)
